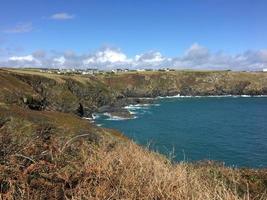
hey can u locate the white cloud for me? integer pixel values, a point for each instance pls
(20, 28)
(60, 60)
(150, 57)
(22, 61)
(195, 57)
(62, 16)
(106, 55)
(199, 57)
(196, 54)
(28, 58)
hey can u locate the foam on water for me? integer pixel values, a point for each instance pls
(210, 96)
(114, 118)
(95, 116)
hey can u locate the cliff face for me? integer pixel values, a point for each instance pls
(79, 95)
(152, 84)
(84, 95)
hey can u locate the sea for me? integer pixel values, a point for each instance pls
(229, 129)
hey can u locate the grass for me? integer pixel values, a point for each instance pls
(53, 155)
(119, 171)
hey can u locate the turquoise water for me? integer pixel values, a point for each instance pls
(227, 129)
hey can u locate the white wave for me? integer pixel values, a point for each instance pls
(88, 118)
(139, 109)
(132, 112)
(139, 106)
(210, 96)
(168, 97)
(260, 96)
(146, 98)
(136, 107)
(95, 116)
(114, 118)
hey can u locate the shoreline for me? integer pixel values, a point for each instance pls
(131, 114)
(203, 96)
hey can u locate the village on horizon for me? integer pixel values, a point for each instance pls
(92, 71)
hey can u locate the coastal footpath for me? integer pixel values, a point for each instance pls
(48, 151)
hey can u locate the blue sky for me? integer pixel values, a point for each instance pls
(163, 29)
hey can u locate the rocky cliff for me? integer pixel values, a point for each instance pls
(152, 84)
(84, 95)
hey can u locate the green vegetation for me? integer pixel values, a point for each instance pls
(49, 152)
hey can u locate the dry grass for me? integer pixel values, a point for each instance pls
(36, 72)
(130, 172)
(118, 171)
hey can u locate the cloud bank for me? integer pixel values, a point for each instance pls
(195, 57)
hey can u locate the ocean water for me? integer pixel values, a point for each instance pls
(232, 130)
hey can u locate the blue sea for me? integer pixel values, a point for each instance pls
(232, 130)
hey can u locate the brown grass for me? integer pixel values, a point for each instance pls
(52, 155)
(131, 172)
(119, 171)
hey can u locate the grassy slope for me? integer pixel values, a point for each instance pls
(56, 155)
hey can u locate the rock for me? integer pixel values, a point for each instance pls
(115, 111)
(122, 113)
(133, 101)
(35, 103)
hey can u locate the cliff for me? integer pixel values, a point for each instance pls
(84, 95)
(152, 84)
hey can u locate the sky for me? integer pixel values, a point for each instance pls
(106, 34)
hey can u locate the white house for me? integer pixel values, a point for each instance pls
(140, 70)
(264, 70)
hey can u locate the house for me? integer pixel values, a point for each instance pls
(91, 71)
(264, 70)
(164, 70)
(140, 70)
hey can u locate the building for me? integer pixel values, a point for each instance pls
(140, 70)
(264, 70)
(163, 69)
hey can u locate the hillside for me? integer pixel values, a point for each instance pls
(49, 152)
(84, 95)
(153, 84)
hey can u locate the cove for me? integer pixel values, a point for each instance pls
(232, 130)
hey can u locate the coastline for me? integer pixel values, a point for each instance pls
(131, 115)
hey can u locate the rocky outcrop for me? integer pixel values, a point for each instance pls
(35, 104)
